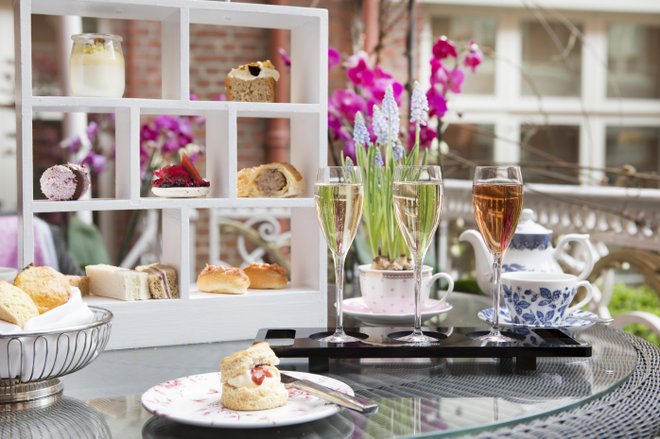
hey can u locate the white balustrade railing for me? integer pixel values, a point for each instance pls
(628, 217)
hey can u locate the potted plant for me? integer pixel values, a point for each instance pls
(377, 148)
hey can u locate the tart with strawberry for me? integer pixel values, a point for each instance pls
(179, 181)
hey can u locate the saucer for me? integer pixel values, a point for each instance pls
(577, 319)
(357, 308)
(180, 192)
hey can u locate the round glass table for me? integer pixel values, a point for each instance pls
(614, 392)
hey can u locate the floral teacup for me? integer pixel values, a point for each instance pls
(541, 299)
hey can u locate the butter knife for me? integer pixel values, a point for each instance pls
(356, 403)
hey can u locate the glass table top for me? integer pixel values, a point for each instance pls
(417, 397)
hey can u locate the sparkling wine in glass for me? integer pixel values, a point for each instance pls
(417, 197)
(497, 198)
(339, 196)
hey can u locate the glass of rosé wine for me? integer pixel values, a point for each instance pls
(497, 198)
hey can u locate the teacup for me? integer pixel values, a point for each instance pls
(8, 274)
(542, 299)
(393, 291)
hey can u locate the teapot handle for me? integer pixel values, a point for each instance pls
(583, 240)
(445, 276)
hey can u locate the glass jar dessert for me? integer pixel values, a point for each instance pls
(97, 65)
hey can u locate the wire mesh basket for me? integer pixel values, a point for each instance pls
(31, 362)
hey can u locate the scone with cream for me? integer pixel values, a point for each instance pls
(250, 380)
(47, 287)
(254, 82)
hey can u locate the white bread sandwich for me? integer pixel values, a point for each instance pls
(117, 283)
(250, 380)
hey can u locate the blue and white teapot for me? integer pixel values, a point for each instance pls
(530, 250)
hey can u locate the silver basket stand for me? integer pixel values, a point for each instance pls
(37, 359)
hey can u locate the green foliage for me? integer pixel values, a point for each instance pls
(383, 234)
(643, 298)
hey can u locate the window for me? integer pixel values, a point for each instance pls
(633, 58)
(634, 146)
(548, 153)
(556, 90)
(552, 54)
(473, 142)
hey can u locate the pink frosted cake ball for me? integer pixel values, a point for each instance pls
(64, 182)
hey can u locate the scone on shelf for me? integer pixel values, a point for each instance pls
(47, 287)
(163, 283)
(117, 283)
(16, 306)
(271, 180)
(266, 276)
(250, 380)
(254, 82)
(225, 280)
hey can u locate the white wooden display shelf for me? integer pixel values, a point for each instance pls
(195, 317)
(69, 104)
(99, 204)
(207, 317)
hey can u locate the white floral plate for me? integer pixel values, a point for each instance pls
(195, 400)
(180, 192)
(576, 320)
(357, 308)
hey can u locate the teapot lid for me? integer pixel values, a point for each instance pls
(527, 225)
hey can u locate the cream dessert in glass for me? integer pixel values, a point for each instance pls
(97, 66)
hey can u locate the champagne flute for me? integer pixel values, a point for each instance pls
(417, 197)
(339, 195)
(497, 198)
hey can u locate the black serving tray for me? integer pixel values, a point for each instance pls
(453, 342)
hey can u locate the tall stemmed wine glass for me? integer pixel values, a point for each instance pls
(417, 197)
(339, 195)
(497, 198)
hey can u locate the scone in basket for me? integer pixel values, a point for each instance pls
(31, 361)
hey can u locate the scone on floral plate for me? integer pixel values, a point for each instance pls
(179, 181)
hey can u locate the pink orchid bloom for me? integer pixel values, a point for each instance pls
(443, 48)
(361, 74)
(426, 136)
(284, 56)
(437, 102)
(334, 58)
(455, 82)
(345, 103)
(474, 57)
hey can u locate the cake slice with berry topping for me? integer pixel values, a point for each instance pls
(181, 180)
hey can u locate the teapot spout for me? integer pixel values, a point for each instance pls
(483, 259)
